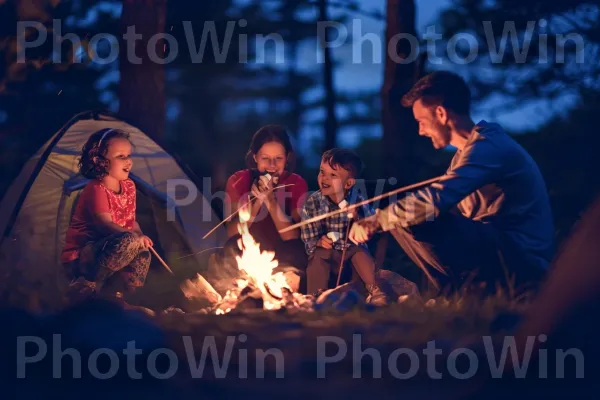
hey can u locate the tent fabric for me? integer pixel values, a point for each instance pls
(33, 230)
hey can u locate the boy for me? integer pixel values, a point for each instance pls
(324, 240)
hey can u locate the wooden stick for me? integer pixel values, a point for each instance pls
(161, 260)
(350, 215)
(200, 252)
(360, 204)
(238, 210)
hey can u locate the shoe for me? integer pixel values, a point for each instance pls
(377, 296)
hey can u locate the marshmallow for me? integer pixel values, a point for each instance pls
(343, 204)
(267, 177)
(334, 236)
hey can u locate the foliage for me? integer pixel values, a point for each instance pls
(544, 59)
(565, 147)
(39, 95)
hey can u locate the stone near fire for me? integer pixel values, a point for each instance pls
(353, 293)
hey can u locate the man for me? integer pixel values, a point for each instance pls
(488, 216)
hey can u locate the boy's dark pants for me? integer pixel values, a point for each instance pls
(324, 261)
(119, 256)
(463, 247)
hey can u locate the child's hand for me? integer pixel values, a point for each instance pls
(263, 189)
(325, 242)
(145, 241)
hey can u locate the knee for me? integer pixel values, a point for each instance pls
(319, 259)
(321, 254)
(126, 239)
(145, 256)
(363, 255)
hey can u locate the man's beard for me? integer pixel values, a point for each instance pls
(443, 137)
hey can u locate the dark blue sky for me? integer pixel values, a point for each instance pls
(361, 68)
(368, 73)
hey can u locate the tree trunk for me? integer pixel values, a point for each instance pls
(142, 79)
(331, 123)
(296, 113)
(399, 126)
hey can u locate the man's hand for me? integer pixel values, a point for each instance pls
(362, 230)
(325, 242)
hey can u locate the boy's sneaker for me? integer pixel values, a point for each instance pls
(377, 296)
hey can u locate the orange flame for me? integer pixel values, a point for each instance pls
(258, 267)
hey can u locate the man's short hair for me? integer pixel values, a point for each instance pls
(344, 158)
(441, 88)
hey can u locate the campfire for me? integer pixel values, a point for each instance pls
(257, 288)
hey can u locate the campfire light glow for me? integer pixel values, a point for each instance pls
(257, 267)
(258, 287)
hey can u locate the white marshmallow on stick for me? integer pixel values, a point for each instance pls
(267, 177)
(334, 236)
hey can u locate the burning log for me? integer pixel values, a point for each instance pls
(245, 295)
(200, 288)
(260, 288)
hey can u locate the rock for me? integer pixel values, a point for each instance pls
(349, 300)
(329, 297)
(343, 298)
(398, 287)
(173, 310)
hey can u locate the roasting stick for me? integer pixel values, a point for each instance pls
(200, 252)
(350, 216)
(354, 206)
(238, 210)
(161, 260)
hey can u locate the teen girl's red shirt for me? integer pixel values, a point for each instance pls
(290, 198)
(96, 198)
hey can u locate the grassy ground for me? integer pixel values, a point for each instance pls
(302, 340)
(299, 345)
